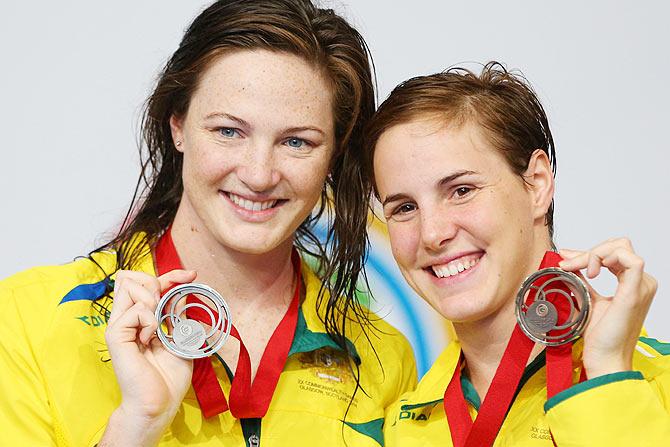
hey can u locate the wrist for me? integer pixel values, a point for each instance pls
(128, 428)
(608, 366)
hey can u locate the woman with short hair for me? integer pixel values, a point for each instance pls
(464, 165)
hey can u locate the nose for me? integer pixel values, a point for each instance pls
(438, 227)
(258, 170)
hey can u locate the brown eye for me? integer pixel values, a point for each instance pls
(405, 208)
(462, 191)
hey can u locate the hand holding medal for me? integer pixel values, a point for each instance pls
(616, 321)
(152, 380)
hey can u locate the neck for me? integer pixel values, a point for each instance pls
(484, 344)
(484, 341)
(247, 281)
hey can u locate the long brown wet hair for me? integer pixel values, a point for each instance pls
(330, 44)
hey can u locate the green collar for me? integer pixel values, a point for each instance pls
(306, 341)
(469, 392)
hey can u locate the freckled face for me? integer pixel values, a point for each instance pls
(257, 141)
(461, 223)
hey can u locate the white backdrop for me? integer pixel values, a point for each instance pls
(74, 75)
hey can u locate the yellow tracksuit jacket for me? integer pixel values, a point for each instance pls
(623, 409)
(57, 386)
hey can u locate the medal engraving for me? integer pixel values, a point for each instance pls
(189, 335)
(541, 317)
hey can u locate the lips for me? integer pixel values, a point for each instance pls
(456, 265)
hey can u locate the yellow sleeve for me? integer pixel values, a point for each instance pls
(620, 409)
(409, 374)
(25, 415)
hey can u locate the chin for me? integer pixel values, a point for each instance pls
(252, 247)
(455, 314)
(459, 308)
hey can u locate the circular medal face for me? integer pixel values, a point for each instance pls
(199, 317)
(189, 335)
(541, 316)
(552, 306)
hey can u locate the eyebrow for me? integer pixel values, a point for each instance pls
(450, 178)
(442, 182)
(238, 120)
(246, 124)
(302, 129)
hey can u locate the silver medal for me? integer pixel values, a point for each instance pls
(538, 319)
(189, 338)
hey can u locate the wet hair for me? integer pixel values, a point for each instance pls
(327, 42)
(501, 103)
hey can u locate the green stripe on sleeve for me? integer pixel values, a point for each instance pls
(658, 346)
(590, 384)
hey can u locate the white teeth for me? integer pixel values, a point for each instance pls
(454, 268)
(250, 205)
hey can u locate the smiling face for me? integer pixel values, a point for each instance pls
(257, 141)
(464, 229)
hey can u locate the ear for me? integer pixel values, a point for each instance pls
(540, 180)
(176, 126)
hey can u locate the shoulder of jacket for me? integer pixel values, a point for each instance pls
(44, 287)
(652, 359)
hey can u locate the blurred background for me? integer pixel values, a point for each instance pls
(75, 74)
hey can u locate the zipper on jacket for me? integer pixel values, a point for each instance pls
(251, 429)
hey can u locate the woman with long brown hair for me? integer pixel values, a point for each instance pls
(252, 132)
(463, 164)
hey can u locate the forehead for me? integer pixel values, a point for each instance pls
(430, 144)
(266, 83)
(428, 149)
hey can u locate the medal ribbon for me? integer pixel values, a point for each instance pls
(247, 399)
(483, 431)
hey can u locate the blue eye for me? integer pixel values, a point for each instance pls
(295, 142)
(228, 132)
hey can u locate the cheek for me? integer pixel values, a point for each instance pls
(201, 165)
(315, 176)
(404, 239)
(498, 219)
(486, 217)
(307, 176)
